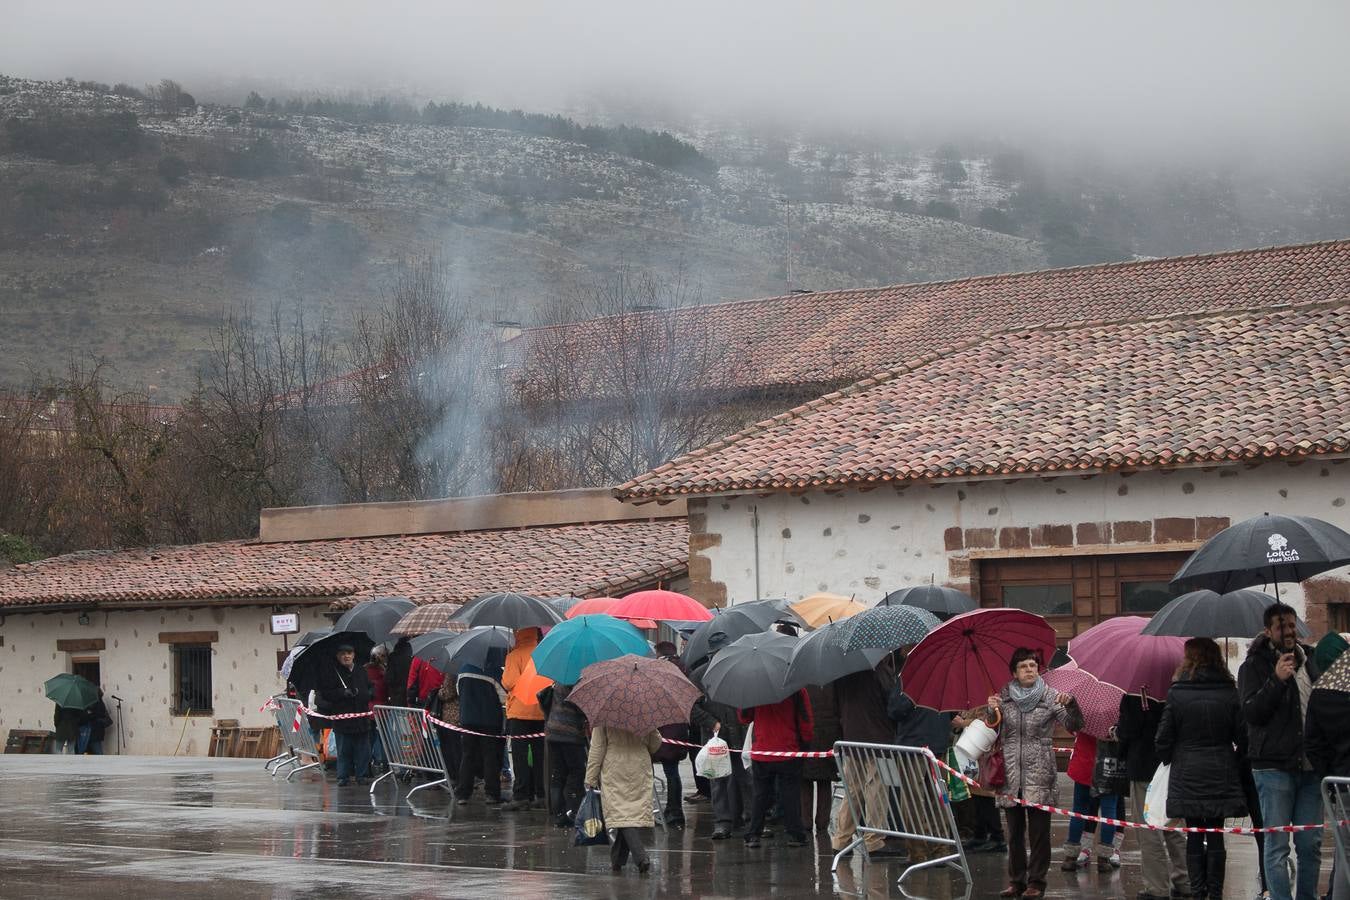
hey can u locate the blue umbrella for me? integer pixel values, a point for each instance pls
(575, 644)
(885, 628)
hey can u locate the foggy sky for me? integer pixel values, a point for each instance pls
(1183, 72)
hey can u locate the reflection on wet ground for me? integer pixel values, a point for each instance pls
(153, 827)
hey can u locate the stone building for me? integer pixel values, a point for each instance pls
(182, 634)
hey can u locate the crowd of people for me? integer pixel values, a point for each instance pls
(1255, 746)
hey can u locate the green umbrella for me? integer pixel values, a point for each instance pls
(74, 691)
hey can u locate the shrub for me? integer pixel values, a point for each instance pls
(172, 169)
(76, 137)
(941, 209)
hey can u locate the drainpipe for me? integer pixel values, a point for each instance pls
(754, 526)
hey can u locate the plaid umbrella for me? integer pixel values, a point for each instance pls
(1116, 652)
(820, 609)
(1099, 701)
(634, 693)
(429, 617)
(885, 628)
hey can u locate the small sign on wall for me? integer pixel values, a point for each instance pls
(286, 623)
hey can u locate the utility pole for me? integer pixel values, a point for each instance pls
(787, 218)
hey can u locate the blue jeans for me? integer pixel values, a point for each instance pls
(1291, 799)
(353, 757)
(1084, 802)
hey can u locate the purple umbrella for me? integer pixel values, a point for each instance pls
(635, 693)
(1115, 652)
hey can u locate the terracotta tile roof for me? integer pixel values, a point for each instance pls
(584, 560)
(1158, 392)
(821, 338)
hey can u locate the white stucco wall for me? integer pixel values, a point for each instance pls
(138, 668)
(868, 544)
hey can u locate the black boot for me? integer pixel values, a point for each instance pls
(1215, 863)
(1195, 871)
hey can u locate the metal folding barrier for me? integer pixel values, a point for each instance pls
(410, 745)
(897, 792)
(1336, 804)
(298, 738)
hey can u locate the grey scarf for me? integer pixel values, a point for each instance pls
(1026, 698)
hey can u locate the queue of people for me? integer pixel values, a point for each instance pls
(1256, 746)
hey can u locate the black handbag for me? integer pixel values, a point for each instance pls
(590, 821)
(1108, 773)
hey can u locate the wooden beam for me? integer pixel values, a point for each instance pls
(189, 637)
(1089, 550)
(76, 645)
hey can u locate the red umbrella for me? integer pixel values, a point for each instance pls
(965, 659)
(661, 606)
(603, 605)
(1099, 701)
(635, 693)
(1115, 652)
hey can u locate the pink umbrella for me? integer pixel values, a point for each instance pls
(666, 606)
(593, 605)
(965, 659)
(1099, 701)
(1115, 652)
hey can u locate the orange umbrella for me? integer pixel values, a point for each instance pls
(530, 684)
(821, 609)
(602, 605)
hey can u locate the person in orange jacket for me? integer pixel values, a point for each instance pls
(524, 715)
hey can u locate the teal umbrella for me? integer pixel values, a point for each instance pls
(575, 644)
(73, 691)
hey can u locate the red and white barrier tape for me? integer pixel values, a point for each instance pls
(1121, 823)
(755, 754)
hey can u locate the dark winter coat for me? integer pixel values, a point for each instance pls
(826, 733)
(861, 700)
(1137, 731)
(1202, 736)
(68, 722)
(672, 752)
(1272, 708)
(1326, 732)
(918, 726)
(482, 700)
(1028, 748)
(342, 690)
(99, 720)
(566, 723)
(396, 672)
(707, 713)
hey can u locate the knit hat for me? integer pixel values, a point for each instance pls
(1328, 649)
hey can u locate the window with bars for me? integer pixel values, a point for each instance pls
(192, 679)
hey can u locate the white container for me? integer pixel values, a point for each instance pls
(976, 740)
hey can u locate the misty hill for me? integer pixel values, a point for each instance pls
(129, 222)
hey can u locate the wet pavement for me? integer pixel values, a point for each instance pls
(154, 827)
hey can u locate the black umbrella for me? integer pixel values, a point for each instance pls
(751, 671)
(562, 604)
(1265, 550)
(448, 651)
(375, 617)
(941, 601)
(1204, 613)
(509, 611)
(819, 658)
(306, 665)
(734, 622)
(310, 637)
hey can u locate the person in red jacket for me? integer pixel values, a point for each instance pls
(379, 696)
(424, 680)
(1078, 850)
(783, 726)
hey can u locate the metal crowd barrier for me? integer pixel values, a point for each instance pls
(300, 744)
(896, 792)
(1336, 804)
(410, 745)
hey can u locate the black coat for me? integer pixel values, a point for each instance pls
(1200, 729)
(918, 726)
(1326, 733)
(1137, 731)
(1272, 708)
(99, 720)
(396, 673)
(343, 691)
(481, 700)
(68, 722)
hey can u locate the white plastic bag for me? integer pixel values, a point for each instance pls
(745, 747)
(714, 760)
(1155, 801)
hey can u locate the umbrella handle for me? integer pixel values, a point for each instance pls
(998, 718)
